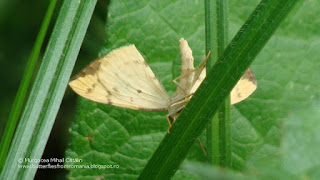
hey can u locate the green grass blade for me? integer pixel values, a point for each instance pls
(24, 85)
(239, 54)
(219, 128)
(48, 90)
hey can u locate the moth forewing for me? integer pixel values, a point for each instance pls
(86, 84)
(122, 78)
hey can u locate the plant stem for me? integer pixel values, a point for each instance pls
(219, 128)
(24, 86)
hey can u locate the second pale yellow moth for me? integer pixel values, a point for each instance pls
(123, 78)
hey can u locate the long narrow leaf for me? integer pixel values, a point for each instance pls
(239, 54)
(47, 93)
(24, 85)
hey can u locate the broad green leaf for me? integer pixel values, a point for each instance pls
(300, 144)
(286, 70)
(208, 172)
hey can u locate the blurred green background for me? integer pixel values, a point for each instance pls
(20, 22)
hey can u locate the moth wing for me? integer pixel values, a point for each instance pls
(122, 78)
(242, 90)
(199, 75)
(244, 87)
(130, 81)
(87, 84)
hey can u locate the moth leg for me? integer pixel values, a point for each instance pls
(177, 102)
(181, 76)
(201, 66)
(182, 100)
(171, 119)
(178, 85)
(202, 147)
(169, 122)
(204, 61)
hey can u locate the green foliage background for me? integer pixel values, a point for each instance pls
(286, 69)
(275, 130)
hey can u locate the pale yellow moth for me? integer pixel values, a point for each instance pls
(123, 78)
